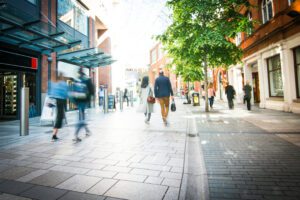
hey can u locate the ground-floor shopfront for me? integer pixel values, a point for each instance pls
(18, 69)
(274, 74)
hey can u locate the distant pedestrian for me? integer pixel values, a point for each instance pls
(247, 90)
(203, 92)
(125, 96)
(211, 95)
(163, 91)
(82, 92)
(146, 92)
(101, 96)
(230, 92)
(59, 92)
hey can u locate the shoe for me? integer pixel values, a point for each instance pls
(54, 138)
(88, 134)
(77, 139)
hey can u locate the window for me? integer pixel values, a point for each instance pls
(291, 1)
(297, 69)
(73, 14)
(275, 77)
(238, 39)
(32, 1)
(250, 29)
(267, 10)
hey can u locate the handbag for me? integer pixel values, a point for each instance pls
(51, 102)
(150, 99)
(173, 106)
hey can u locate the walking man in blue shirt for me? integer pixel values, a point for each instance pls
(163, 91)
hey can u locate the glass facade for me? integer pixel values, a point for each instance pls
(297, 69)
(275, 77)
(73, 14)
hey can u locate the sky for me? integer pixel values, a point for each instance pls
(133, 23)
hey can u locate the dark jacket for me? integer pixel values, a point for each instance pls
(247, 89)
(162, 87)
(230, 92)
(89, 86)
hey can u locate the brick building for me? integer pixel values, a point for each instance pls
(271, 61)
(40, 38)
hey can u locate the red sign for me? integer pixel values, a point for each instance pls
(34, 63)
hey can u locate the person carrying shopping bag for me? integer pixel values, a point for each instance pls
(146, 99)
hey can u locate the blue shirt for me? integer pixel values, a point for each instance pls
(162, 87)
(58, 90)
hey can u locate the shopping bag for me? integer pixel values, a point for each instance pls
(173, 106)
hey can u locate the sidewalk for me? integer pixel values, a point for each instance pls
(124, 158)
(249, 154)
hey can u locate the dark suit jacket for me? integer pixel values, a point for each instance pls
(162, 87)
(229, 91)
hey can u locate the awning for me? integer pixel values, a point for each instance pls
(92, 57)
(31, 33)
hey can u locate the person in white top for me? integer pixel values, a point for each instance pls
(146, 91)
(211, 95)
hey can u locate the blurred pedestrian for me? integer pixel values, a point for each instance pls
(82, 92)
(163, 91)
(211, 95)
(247, 90)
(101, 95)
(59, 92)
(146, 93)
(230, 92)
(125, 96)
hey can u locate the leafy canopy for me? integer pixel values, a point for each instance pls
(201, 32)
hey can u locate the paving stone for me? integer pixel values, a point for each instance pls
(40, 165)
(8, 155)
(37, 159)
(172, 193)
(117, 169)
(100, 173)
(175, 162)
(130, 177)
(136, 191)
(68, 158)
(51, 178)
(145, 172)
(4, 167)
(43, 193)
(12, 197)
(171, 175)
(171, 182)
(57, 162)
(14, 187)
(75, 170)
(101, 187)
(154, 180)
(151, 167)
(177, 169)
(157, 160)
(86, 165)
(123, 164)
(79, 183)
(105, 161)
(136, 158)
(16, 172)
(80, 196)
(120, 156)
(32, 175)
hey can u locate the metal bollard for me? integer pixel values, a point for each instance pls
(121, 100)
(24, 122)
(105, 101)
(131, 98)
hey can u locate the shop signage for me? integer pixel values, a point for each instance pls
(17, 60)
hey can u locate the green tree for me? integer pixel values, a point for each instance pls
(201, 32)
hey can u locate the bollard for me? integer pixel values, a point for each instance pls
(24, 120)
(131, 98)
(105, 101)
(121, 101)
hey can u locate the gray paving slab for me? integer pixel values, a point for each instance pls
(79, 183)
(43, 193)
(101, 187)
(137, 191)
(12, 197)
(14, 187)
(16, 172)
(51, 178)
(80, 196)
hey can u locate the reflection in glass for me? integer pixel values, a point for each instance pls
(275, 77)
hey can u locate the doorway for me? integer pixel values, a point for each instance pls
(256, 91)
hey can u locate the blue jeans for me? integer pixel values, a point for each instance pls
(81, 119)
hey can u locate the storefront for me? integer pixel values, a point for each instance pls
(18, 70)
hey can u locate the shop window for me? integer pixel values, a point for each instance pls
(267, 10)
(297, 69)
(291, 1)
(275, 77)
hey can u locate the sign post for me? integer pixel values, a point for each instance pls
(131, 98)
(24, 122)
(105, 101)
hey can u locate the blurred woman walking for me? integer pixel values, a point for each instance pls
(146, 99)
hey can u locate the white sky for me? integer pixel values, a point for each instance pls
(133, 23)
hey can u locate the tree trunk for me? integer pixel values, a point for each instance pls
(206, 87)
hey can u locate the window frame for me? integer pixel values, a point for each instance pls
(290, 2)
(264, 4)
(296, 65)
(273, 70)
